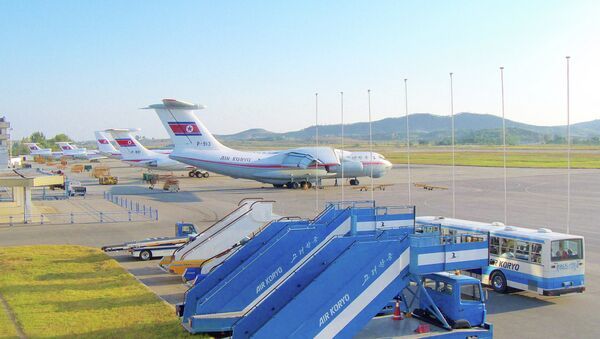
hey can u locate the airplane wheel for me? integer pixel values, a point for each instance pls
(191, 174)
(198, 174)
(295, 185)
(205, 175)
(309, 185)
(354, 182)
(304, 185)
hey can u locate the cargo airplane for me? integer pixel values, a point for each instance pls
(299, 167)
(103, 141)
(135, 154)
(69, 150)
(36, 150)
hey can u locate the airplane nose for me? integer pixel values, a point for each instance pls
(388, 165)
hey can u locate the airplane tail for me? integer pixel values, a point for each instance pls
(184, 127)
(131, 149)
(65, 146)
(33, 146)
(104, 144)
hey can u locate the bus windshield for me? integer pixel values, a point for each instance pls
(568, 249)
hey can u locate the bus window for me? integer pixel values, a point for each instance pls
(536, 253)
(494, 245)
(523, 250)
(445, 288)
(470, 292)
(507, 248)
(570, 249)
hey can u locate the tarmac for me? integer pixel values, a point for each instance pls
(536, 198)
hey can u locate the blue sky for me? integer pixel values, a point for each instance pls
(78, 66)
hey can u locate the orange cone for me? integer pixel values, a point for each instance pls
(397, 312)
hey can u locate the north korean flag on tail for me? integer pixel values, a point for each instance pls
(126, 142)
(184, 128)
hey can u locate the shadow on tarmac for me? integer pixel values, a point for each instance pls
(514, 301)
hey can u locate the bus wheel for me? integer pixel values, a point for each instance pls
(498, 282)
(145, 255)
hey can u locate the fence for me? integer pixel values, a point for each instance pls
(134, 212)
(131, 206)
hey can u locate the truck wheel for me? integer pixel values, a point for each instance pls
(498, 282)
(461, 324)
(145, 255)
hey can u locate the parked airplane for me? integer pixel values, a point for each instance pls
(299, 167)
(105, 146)
(361, 164)
(134, 153)
(36, 150)
(75, 152)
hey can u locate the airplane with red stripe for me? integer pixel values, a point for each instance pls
(298, 167)
(135, 154)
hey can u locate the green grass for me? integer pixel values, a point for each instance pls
(495, 159)
(74, 291)
(535, 156)
(7, 330)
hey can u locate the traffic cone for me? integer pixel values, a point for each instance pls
(397, 312)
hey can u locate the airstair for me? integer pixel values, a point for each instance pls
(322, 278)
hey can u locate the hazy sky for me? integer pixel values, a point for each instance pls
(77, 66)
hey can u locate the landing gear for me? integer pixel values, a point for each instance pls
(354, 182)
(305, 185)
(292, 185)
(198, 174)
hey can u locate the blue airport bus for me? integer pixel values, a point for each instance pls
(542, 261)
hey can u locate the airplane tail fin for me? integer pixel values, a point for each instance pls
(104, 144)
(131, 149)
(184, 127)
(32, 146)
(65, 146)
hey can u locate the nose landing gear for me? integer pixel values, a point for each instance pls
(354, 182)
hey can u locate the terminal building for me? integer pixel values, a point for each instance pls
(4, 143)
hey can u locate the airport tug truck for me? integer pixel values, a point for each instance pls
(156, 247)
(331, 276)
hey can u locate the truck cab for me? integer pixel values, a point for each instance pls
(184, 229)
(460, 298)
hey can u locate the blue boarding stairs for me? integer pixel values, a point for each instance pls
(326, 277)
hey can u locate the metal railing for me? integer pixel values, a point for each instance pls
(75, 218)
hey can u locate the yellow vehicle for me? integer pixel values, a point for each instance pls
(108, 180)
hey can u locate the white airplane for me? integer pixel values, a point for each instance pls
(103, 140)
(361, 164)
(75, 152)
(299, 167)
(36, 150)
(135, 154)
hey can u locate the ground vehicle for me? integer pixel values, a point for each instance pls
(156, 247)
(75, 188)
(460, 298)
(541, 261)
(108, 180)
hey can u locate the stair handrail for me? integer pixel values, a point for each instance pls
(223, 228)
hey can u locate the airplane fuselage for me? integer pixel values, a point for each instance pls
(259, 166)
